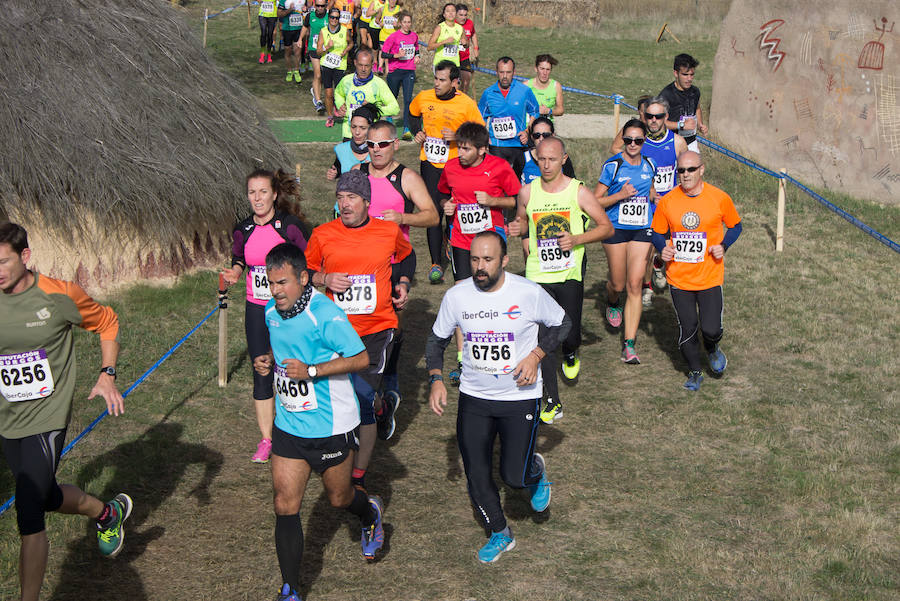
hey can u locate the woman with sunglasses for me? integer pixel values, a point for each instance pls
(540, 128)
(626, 191)
(354, 151)
(332, 48)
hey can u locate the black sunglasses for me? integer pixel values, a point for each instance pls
(628, 141)
(659, 116)
(542, 134)
(688, 169)
(334, 16)
(382, 144)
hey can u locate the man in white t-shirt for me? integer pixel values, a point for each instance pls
(499, 314)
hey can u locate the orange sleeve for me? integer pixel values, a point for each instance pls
(94, 316)
(475, 115)
(414, 109)
(660, 223)
(314, 252)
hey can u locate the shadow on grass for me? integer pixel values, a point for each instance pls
(416, 321)
(149, 469)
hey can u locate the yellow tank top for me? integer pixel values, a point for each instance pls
(389, 22)
(339, 40)
(369, 8)
(448, 52)
(550, 214)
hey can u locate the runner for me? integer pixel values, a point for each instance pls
(691, 216)
(447, 37)
(477, 186)
(275, 218)
(468, 54)
(508, 106)
(500, 392)
(626, 192)
(400, 50)
(314, 349)
(617, 145)
(548, 91)
(313, 24)
(368, 33)
(37, 363)
(291, 17)
(354, 151)
(268, 17)
(554, 210)
(389, 21)
(360, 87)
(352, 257)
(435, 116)
(685, 113)
(526, 164)
(332, 46)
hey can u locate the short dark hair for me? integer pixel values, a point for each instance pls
(367, 111)
(474, 133)
(635, 123)
(496, 236)
(545, 58)
(506, 59)
(643, 101)
(14, 235)
(390, 127)
(444, 65)
(287, 254)
(685, 60)
(538, 121)
(462, 6)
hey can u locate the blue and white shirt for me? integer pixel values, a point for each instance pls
(631, 213)
(663, 154)
(506, 116)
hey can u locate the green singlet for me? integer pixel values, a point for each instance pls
(448, 52)
(545, 97)
(551, 214)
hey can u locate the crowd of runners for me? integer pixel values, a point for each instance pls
(324, 305)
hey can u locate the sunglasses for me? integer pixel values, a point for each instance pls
(382, 144)
(659, 116)
(542, 134)
(688, 169)
(334, 16)
(636, 141)
(321, 5)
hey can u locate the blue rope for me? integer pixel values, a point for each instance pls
(137, 382)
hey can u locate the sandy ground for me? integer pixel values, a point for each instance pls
(586, 126)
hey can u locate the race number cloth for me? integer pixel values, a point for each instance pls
(499, 329)
(332, 60)
(504, 128)
(551, 257)
(260, 283)
(695, 224)
(436, 150)
(360, 298)
(438, 115)
(473, 218)
(635, 211)
(25, 376)
(323, 406)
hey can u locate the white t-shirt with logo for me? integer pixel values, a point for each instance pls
(499, 329)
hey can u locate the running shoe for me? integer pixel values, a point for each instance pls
(695, 378)
(647, 297)
(320, 107)
(496, 546)
(297, 77)
(407, 135)
(659, 274)
(614, 316)
(552, 411)
(329, 122)
(288, 594)
(112, 537)
(385, 422)
(540, 492)
(262, 58)
(571, 366)
(628, 354)
(263, 450)
(290, 76)
(268, 58)
(455, 374)
(315, 101)
(718, 361)
(436, 274)
(373, 536)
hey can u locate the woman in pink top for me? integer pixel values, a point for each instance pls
(275, 218)
(401, 50)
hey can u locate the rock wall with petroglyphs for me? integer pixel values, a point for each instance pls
(813, 88)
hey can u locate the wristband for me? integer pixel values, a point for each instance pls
(534, 351)
(435, 378)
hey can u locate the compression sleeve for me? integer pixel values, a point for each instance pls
(434, 351)
(568, 168)
(549, 337)
(237, 248)
(659, 241)
(731, 235)
(415, 124)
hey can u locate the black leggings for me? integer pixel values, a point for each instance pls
(258, 344)
(710, 304)
(478, 422)
(267, 31)
(435, 233)
(33, 461)
(570, 296)
(460, 261)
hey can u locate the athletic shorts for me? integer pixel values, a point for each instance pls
(331, 77)
(465, 64)
(313, 54)
(33, 461)
(622, 235)
(319, 453)
(290, 36)
(367, 382)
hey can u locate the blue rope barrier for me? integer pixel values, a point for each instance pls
(137, 382)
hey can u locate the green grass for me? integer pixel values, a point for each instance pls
(778, 481)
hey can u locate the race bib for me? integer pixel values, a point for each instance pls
(360, 298)
(295, 395)
(295, 20)
(332, 60)
(259, 283)
(665, 179)
(473, 218)
(346, 15)
(25, 376)
(504, 128)
(407, 51)
(551, 257)
(634, 211)
(315, 41)
(390, 22)
(267, 7)
(492, 352)
(451, 50)
(436, 150)
(690, 247)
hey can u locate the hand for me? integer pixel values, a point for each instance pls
(437, 398)
(449, 208)
(106, 387)
(523, 137)
(703, 129)
(263, 364)
(545, 110)
(514, 228)
(232, 275)
(328, 45)
(339, 112)
(482, 197)
(689, 124)
(296, 369)
(526, 371)
(566, 241)
(416, 59)
(420, 137)
(667, 253)
(627, 190)
(337, 282)
(717, 251)
(448, 134)
(402, 296)
(331, 174)
(392, 215)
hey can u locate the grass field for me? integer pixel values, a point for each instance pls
(779, 481)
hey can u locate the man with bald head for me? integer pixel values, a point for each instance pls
(688, 233)
(552, 212)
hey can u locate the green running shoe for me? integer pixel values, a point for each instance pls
(112, 538)
(571, 366)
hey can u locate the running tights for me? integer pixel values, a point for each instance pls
(688, 303)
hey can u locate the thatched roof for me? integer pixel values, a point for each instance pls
(113, 113)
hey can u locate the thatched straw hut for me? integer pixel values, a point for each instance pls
(124, 148)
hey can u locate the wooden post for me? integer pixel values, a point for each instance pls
(205, 25)
(616, 110)
(483, 11)
(664, 29)
(223, 332)
(297, 171)
(779, 227)
(249, 16)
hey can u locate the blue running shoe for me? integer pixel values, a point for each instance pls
(455, 374)
(540, 492)
(695, 378)
(718, 361)
(373, 536)
(385, 423)
(496, 546)
(288, 594)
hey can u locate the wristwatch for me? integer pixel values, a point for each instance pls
(312, 371)
(109, 370)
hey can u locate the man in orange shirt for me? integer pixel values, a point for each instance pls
(351, 257)
(692, 215)
(435, 116)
